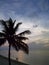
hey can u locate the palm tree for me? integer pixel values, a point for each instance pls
(15, 40)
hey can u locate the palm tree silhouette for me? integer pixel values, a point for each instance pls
(15, 40)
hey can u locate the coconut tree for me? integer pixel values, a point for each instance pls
(9, 33)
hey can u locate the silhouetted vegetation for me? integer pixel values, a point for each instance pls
(15, 40)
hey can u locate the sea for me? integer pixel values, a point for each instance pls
(35, 57)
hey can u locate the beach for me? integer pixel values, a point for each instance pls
(4, 61)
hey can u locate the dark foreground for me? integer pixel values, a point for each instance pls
(4, 61)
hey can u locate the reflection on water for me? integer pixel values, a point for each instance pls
(20, 56)
(33, 58)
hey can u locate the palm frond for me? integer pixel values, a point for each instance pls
(20, 37)
(25, 32)
(12, 42)
(2, 34)
(19, 45)
(4, 31)
(10, 23)
(16, 27)
(2, 41)
(15, 46)
(22, 46)
(4, 24)
(14, 22)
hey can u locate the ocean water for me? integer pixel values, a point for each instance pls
(35, 57)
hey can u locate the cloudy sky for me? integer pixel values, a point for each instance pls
(33, 13)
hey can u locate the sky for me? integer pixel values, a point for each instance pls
(34, 15)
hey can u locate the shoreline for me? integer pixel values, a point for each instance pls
(4, 60)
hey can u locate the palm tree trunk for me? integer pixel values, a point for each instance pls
(9, 54)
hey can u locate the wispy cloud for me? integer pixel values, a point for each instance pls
(30, 12)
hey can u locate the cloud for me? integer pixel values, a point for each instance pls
(39, 46)
(30, 12)
(31, 8)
